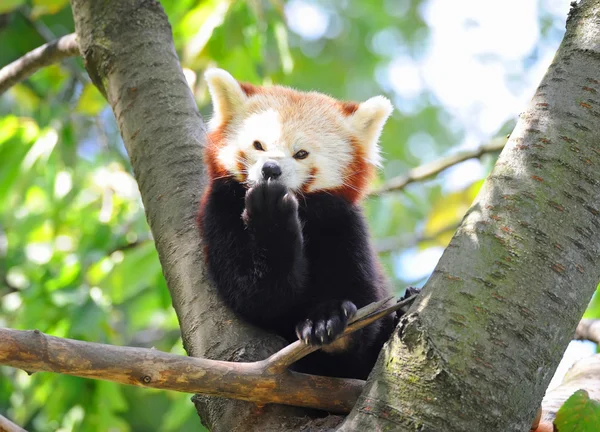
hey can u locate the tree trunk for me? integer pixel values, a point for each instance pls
(128, 52)
(479, 348)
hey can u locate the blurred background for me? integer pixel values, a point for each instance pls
(76, 256)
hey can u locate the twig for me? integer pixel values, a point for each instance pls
(262, 382)
(45, 55)
(428, 170)
(7, 426)
(390, 244)
(289, 355)
(588, 329)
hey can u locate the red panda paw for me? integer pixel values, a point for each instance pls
(326, 322)
(270, 204)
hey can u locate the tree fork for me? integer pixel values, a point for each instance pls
(479, 347)
(263, 382)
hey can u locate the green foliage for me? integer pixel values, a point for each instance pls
(579, 413)
(76, 256)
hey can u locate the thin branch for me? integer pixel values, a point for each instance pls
(289, 355)
(130, 245)
(7, 426)
(390, 244)
(588, 329)
(262, 382)
(31, 62)
(431, 169)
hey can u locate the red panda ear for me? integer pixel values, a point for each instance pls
(367, 122)
(227, 96)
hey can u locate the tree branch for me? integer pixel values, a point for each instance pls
(130, 56)
(390, 244)
(476, 351)
(34, 351)
(588, 329)
(262, 382)
(289, 355)
(31, 62)
(428, 170)
(7, 426)
(585, 374)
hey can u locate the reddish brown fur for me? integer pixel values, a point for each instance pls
(250, 89)
(348, 108)
(213, 144)
(313, 173)
(357, 177)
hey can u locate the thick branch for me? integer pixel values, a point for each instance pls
(585, 374)
(479, 347)
(31, 62)
(34, 351)
(7, 426)
(588, 329)
(431, 169)
(129, 54)
(262, 382)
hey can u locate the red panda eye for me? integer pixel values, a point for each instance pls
(301, 154)
(258, 146)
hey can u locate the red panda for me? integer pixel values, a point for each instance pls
(286, 242)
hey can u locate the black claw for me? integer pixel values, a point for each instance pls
(326, 322)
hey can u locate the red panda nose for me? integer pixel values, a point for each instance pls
(271, 170)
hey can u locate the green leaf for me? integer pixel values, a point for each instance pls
(138, 270)
(110, 397)
(177, 415)
(579, 413)
(87, 322)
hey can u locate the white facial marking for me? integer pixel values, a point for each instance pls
(264, 127)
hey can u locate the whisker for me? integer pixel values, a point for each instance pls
(223, 176)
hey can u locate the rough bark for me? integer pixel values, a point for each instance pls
(129, 54)
(34, 351)
(263, 382)
(479, 347)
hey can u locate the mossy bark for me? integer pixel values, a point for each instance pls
(129, 54)
(479, 348)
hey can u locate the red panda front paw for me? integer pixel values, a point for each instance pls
(270, 203)
(326, 322)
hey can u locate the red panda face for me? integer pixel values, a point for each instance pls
(308, 141)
